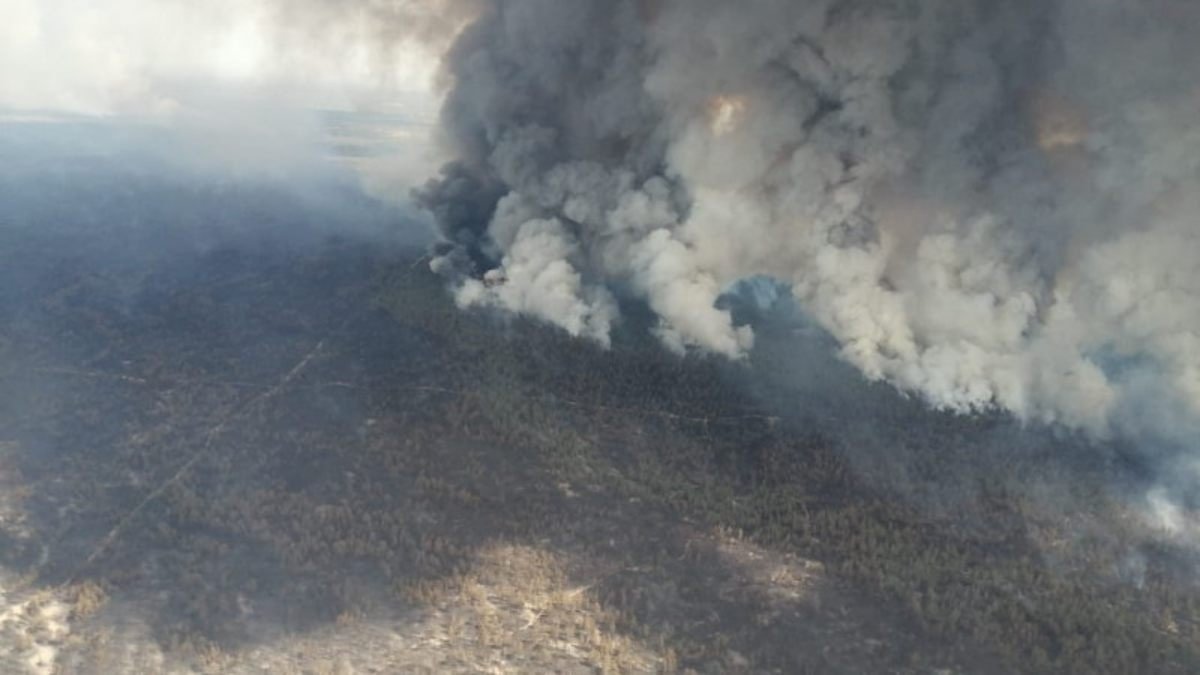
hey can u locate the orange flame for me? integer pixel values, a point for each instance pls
(1058, 124)
(725, 113)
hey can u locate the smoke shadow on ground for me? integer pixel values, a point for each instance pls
(213, 443)
(237, 449)
(266, 449)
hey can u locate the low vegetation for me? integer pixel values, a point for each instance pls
(355, 474)
(1038, 591)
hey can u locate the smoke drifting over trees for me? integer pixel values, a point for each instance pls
(985, 203)
(244, 427)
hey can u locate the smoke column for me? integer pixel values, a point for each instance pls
(988, 204)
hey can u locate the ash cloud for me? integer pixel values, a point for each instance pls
(986, 204)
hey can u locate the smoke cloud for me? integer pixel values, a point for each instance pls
(987, 204)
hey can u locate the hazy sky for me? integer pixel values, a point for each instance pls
(241, 87)
(146, 57)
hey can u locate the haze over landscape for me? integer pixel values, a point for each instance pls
(834, 336)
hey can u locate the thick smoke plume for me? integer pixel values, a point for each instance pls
(989, 204)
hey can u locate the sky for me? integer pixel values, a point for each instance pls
(144, 57)
(244, 86)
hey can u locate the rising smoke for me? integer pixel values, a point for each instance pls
(986, 203)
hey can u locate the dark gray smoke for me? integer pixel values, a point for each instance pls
(986, 203)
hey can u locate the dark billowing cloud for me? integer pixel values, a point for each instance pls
(985, 203)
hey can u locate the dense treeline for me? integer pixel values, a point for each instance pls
(980, 564)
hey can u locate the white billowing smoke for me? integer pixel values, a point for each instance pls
(986, 203)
